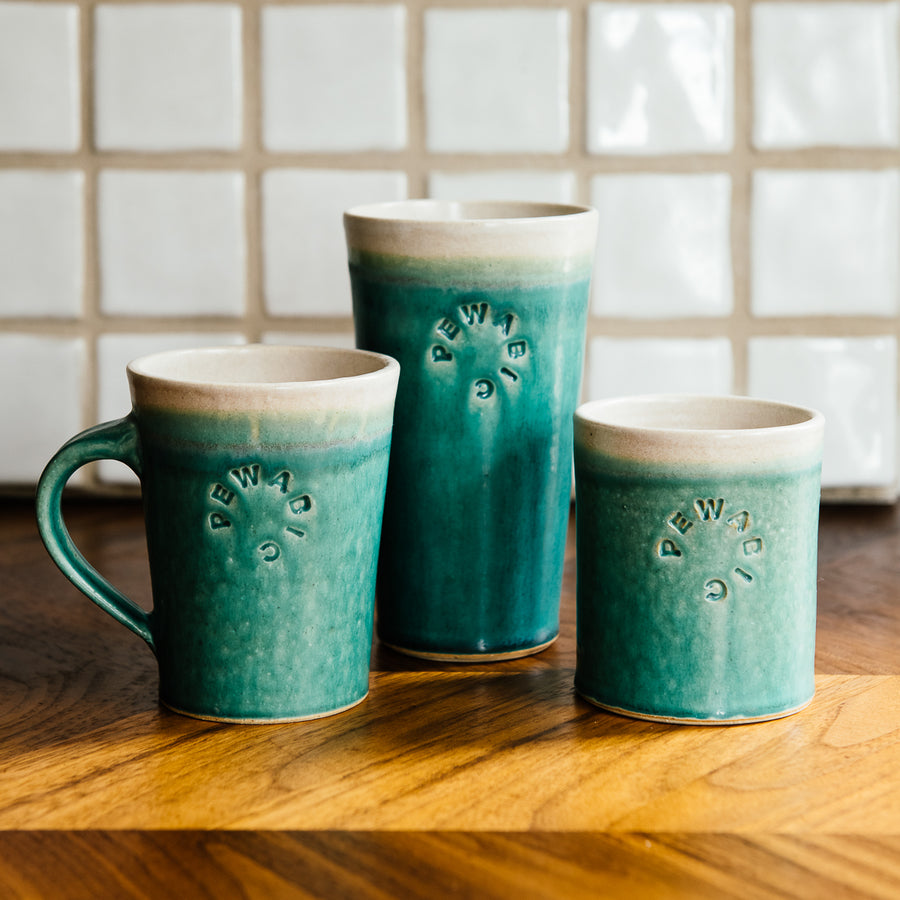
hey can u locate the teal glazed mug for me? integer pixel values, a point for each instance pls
(263, 472)
(696, 542)
(484, 305)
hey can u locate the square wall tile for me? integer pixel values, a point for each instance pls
(343, 340)
(825, 74)
(334, 77)
(168, 76)
(41, 401)
(824, 243)
(40, 81)
(41, 243)
(547, 187)
(172, 243)
(114, 352)
(497, 80)
(304, 253)
(853, 382)
(660, 78)
(626, 366)
(664, 246)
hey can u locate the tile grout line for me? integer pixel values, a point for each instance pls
(416, 161)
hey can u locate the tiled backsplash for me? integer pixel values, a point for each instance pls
(173, 174)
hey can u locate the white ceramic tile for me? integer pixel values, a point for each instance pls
(664, 247)
(41, 401)
(825, 74)
(114, 352)
(548, 187)
(497, 80)
(304, 253)
(41, 243)
(853, 381)
(626, 366)
(343, 340)
(660, 78)
(334, 77)
(825, 243)
(172, 243)
(40, 89)
(168, 76)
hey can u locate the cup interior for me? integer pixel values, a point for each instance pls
(258, 364)
(463, 211)
(694, 413)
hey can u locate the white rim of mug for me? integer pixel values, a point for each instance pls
(438, 230)
(393, 211)
(373, 388)
(142, 366)
(798, 433)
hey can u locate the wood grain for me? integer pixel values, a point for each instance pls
(490, 780)
(422, 866)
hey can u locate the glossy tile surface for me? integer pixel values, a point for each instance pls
(660, 78)
(496, 80)
(304, 253)
(342, 339)
(825, 243)
(624, 366)
(663, 249)
(172, 243)
(49, 374)
(334, 77)
(548, 187)
(40, 82)
(168, 76)
(853, 382)
(825, 74)
(41, 243)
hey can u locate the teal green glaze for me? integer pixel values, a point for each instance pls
(113, 440)
(263, 543)
(479, 482)
(696, 592)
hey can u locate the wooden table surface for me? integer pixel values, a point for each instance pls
(489, 780)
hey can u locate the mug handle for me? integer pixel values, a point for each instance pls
(112, 440)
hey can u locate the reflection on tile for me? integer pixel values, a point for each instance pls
(41, 243)
(664, 246)
(172, 243)
(660, 78)
(304, 254)
(825, 243)
(625, 366)
(40, 88)
(341, 339)
(168, 76)
(54, 371)
(825, 74)
(334, 77)
(548, 187)
(114, 352)
(497, 80)
(853, 381)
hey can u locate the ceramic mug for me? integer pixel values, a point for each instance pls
(263, 472)
(696, 556)
(484, 305)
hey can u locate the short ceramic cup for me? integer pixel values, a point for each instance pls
(696, 556)
(484, 305)
(263, 472)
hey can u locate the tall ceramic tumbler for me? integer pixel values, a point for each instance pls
(696, 546)
(484, 305)
(263, 471)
